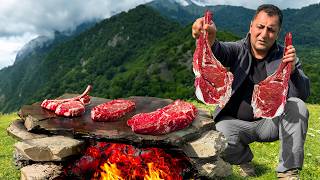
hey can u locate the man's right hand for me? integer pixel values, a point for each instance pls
(199, 26)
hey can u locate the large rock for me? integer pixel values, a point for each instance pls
(19, 131)
(210, 144)
(40, 171)
(20, 160)
(212, 169)
(54, 148)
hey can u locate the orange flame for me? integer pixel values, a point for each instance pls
(154, 173)
(110, 172)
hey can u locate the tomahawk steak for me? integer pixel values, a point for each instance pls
(172, 117)
(270, 95)
(68, 107)
(112, 110)
(213, 81)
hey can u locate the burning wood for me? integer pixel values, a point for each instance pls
(120, 161)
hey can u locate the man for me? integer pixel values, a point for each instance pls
(251, 60)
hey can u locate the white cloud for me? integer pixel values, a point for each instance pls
(21, 18)
(9, 47)
(41, 17)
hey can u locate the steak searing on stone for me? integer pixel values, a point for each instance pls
(112, 110)
(270, 95)
(172, 117)
(68, 107)
(213, 81)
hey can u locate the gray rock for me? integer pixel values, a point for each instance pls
(54, 148)
(17, 130)
(210, 144)
(20, 160)
(40, 171)
(214, 169)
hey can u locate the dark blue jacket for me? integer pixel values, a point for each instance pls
(238, 58)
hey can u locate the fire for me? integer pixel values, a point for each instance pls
(115, 161)
(154, 174)
(110, 172)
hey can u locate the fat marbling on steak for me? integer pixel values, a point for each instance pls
(173, 117)
(213, 81)
(68, 107)
(112, 110)
(270, 95)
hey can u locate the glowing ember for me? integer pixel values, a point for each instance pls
(114, 161)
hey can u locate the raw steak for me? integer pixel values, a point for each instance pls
(175, 116)
(112, 110)
(270, 95)
(68, 107)
(213, 81)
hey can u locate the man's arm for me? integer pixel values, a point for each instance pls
(299, 84)
(225, 52)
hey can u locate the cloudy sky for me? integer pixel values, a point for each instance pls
(23, 20)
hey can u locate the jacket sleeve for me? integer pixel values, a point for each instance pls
(299, 84)
(226, 52)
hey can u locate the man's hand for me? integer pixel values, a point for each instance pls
(290, 56)
(199, 26)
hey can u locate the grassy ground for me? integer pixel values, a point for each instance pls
(7, 169)
(265, 159)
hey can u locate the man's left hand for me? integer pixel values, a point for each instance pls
(290, 56)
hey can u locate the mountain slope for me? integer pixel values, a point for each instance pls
(16, 81)
(93, 57)
(304, 23)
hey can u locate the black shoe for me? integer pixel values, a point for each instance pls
(292, 174)
(247, 170)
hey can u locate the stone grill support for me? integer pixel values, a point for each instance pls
(45, 140)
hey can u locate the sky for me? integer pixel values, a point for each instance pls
(24, 20)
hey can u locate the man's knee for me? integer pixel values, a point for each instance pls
(297, 108)
(228, 129)
(224, 127)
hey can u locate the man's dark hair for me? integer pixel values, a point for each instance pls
(271, 10)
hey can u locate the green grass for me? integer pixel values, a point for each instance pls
(265, 154)
(7, 169)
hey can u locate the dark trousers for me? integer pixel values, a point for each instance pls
(290, 128)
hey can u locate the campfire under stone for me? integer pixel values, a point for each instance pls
(52, 146)
(121, 161)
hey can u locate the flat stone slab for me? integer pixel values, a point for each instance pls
(55, 148)
(18, 131)
(40, 171)
(37, 117)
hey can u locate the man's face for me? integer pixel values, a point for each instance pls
(264, 30)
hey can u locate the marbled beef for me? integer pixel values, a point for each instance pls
(112, 110)
(213, 81)
(172, 117)
(270, 95)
